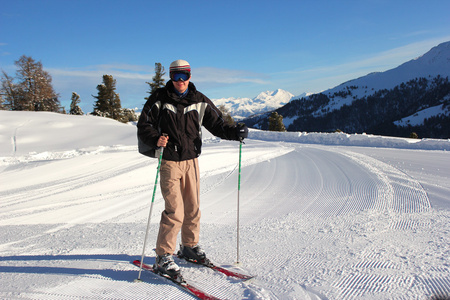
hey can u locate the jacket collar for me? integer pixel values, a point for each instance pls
(174, 95)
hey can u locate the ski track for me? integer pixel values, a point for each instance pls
(359, 184)
(12, 198)
(334, 208)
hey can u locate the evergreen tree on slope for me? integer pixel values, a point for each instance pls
(74, 108)
(108, 101)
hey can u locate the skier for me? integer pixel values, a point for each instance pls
(172, 118)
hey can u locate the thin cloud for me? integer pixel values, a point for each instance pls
(118, 71)
(205, 75)
(376, 62)
(418, 33)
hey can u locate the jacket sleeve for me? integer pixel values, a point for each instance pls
(148, 123)
(214, 122)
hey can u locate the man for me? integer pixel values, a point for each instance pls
(172, 118)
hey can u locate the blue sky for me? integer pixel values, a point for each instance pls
(235, 48)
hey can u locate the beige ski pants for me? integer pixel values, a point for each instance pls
(180, 186)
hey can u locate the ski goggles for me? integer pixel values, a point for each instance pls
(177, 76)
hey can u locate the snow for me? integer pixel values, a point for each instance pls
(322, 216)
(419, 117)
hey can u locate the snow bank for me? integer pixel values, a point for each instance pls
(38, 133)
(344, 139)
(25, 132)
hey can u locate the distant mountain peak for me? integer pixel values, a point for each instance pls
(241, 108)
(275, 98)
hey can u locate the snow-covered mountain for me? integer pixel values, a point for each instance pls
(240, 108)
(412, 97)
(433, 63)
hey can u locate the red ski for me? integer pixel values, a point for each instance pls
(222, 270)
(179, 280)
(229, 272)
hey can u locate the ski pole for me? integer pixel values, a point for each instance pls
(150, 213)
(238, 200)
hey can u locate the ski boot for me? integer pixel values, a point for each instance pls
(165, 265)
(193, 254)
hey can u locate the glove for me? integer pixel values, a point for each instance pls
(242, 131)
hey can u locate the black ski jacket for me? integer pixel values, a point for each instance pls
(181, 119)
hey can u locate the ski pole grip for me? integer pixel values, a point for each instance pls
(164, 135)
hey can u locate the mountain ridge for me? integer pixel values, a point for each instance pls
(408, 89)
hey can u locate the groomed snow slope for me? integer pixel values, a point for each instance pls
(323, 216)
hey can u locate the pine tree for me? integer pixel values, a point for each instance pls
(74, 108)
(226, 115)
(31, 89)
(108, 101)
(276, 122)
(158, 80)
(413, 135)
(129, 115)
